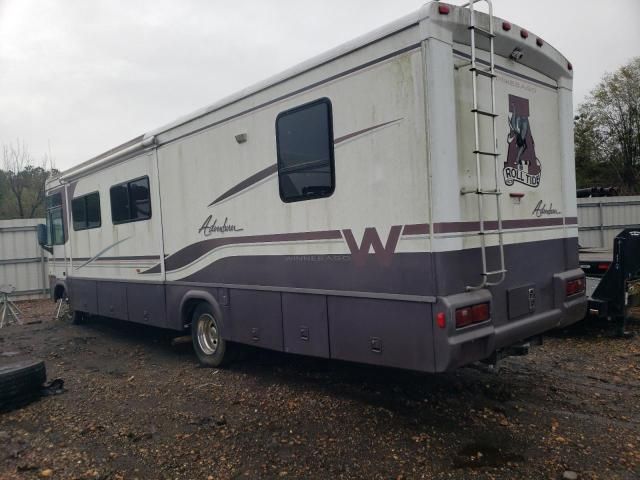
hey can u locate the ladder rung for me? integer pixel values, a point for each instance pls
(495, 272)
(490, 154)
(481, 71)
(482, 31)
(483, 112)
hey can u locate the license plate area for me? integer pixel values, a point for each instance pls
(521, 300)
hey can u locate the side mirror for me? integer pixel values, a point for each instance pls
(42, 238)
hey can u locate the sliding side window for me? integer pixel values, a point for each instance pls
(86, 212)
(130, 201)
(304, 137)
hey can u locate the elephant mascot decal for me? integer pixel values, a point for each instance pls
(522, 165)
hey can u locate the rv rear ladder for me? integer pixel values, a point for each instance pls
(496, 276)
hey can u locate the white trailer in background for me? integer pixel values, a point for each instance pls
(406, 199)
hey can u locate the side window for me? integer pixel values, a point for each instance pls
(130, 201)
(304, 137)
(86, 211)
(55, 223)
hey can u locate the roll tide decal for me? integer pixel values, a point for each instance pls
(522, 165)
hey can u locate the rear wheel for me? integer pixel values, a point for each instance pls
(210, 347)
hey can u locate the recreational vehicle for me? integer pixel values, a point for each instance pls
(406, 199)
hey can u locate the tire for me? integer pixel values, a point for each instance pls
(211, 349)
(20, 383)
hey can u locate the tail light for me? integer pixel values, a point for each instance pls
(472, 314)
(506, 26)
(575, 286)
(443, 9)
(603, 267)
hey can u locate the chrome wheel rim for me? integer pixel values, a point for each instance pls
(208, 336)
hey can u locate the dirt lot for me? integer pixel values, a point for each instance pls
(138, 407)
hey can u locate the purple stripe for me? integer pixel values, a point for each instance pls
(196, 250)
(139, 257)
(462, 227)
(417, 229)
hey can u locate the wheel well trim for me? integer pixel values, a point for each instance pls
(205, 297)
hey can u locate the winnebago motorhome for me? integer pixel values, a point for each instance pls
(406, 199)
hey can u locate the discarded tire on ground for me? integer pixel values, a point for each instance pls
(20, 383)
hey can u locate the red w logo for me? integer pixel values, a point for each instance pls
(371, 239)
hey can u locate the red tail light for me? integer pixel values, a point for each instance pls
(472, 314)
(480, 313)
(463, 317)
(506, 26)
(603, 266)
(441, 319)
(443, 9)
(575, 286)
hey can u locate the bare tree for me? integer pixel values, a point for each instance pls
(25, 178)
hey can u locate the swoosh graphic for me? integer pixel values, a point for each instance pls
(193, 252)
(96, 256)
(272, 169)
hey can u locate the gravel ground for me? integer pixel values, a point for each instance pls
(138, 407)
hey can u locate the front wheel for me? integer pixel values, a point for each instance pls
(208, 343)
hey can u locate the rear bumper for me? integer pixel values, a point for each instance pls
(457, 347)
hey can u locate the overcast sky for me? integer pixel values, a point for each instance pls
(86, 75)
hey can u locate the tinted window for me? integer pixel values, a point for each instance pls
(55, 223)
(56, 226)
(54, 200)
(120, 203)
(79, 213)
(131, 201)
(304, 138)
(86, 211)
(94, 220)
(140, 199)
